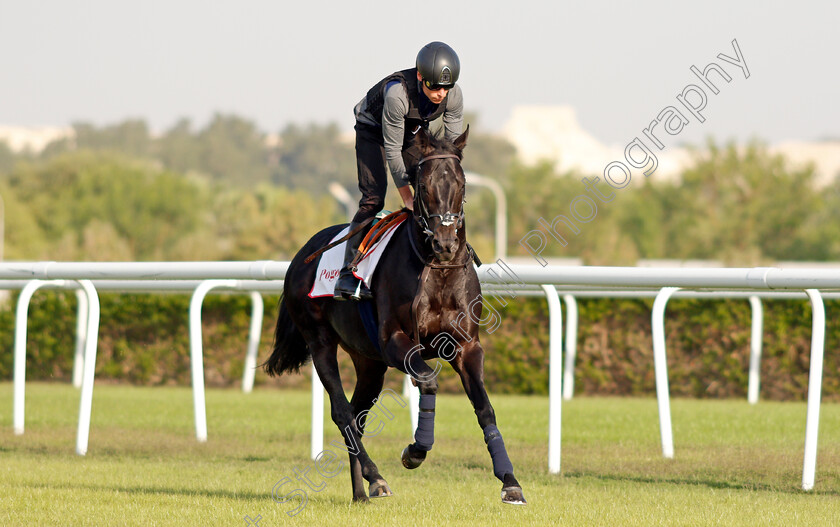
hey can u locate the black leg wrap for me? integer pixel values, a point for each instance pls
(424, 436)
(498, 453)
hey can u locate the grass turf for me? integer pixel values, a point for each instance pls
(735, 464)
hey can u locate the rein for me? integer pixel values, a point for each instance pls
(346, 237)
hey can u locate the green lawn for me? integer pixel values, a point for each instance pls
(735, 464)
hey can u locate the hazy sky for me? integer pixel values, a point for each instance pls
(277, 62)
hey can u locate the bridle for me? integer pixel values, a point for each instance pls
(447, 218)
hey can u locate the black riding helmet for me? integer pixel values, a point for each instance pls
(439, 66)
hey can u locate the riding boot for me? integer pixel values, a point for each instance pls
(348, 286)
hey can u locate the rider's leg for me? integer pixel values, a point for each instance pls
(370, 162)
(348, 286)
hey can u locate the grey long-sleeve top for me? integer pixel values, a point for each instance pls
(450, 124)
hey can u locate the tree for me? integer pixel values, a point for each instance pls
(178, 149)
(90, 196)
(312, 157)
(7, 158)
(744, 206)
(232, 150)
(130, 137)
(23, 238)
(268, 222)
(486, 153)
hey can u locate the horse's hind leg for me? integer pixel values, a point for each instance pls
(469, 364)
(370, 376)
(324, 358)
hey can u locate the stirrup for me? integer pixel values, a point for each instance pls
(357, 291)
(362, 292)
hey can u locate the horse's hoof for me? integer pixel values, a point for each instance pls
(513, 496)
(409, 461)
(380, 489)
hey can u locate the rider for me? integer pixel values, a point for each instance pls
(387, 118)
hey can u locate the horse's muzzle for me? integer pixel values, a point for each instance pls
(445, 248)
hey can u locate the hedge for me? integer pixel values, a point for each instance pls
(144, 339)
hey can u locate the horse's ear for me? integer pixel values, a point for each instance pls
(423, 142)
(461, 140)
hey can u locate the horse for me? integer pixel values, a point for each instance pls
(424, 284)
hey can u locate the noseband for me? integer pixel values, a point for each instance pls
(447, 218)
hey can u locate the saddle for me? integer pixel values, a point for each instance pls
(370, 250)
(381, 224)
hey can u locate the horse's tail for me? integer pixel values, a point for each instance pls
(290, 349)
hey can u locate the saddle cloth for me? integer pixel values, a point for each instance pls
(330, 263)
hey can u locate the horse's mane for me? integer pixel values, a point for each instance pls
(446, 145)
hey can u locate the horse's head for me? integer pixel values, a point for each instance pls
(439, 186)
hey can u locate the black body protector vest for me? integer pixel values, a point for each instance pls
(408, 78)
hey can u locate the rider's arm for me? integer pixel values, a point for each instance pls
(393, 131)
(453, 116)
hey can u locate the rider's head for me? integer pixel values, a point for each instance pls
(438, 68)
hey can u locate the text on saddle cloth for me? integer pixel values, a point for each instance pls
(332, 260)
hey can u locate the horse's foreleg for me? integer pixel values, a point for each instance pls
(469, 364)
(407, 358)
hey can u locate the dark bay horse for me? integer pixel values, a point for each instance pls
(427, 305)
